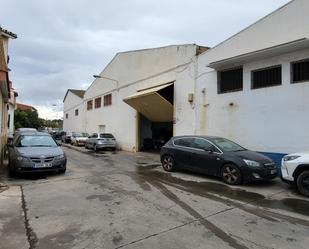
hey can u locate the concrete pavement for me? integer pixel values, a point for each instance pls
(125, 200)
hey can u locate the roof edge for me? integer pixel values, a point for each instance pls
(251, 25)
(7, 33)
(72, 91)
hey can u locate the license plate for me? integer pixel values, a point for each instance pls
(42, 165)
(273, 171)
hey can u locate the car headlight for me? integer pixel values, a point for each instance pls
(22, 158)
(252, 163)
(290, 158)
(59, 157)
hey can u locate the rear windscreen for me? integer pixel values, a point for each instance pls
(106, 135)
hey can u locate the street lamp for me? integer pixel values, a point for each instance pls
(103, 77)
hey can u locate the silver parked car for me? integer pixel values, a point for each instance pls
(101, 140)
(79, 138)
(35, 151)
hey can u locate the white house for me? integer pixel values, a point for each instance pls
(254, 87)
(142, 97)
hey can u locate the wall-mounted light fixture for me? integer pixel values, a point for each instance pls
(103, 77)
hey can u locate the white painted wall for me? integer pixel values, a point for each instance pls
(286, 24)
(269, 119)
(273, 119)
(73, 123)
(134, 71)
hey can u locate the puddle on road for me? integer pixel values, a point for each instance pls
(215, 191)
(99, 197)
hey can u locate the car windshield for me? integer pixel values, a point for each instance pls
(227, 145)
(80, 134)
(35, 141)
(106, 135)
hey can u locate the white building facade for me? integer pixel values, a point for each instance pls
(140, 95)
(73, 119)
(254, 87)
(5, 88)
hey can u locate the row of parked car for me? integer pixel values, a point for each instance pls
(223, 158)
(95, 141)
(31, 150)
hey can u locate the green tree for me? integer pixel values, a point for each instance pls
(29, 119)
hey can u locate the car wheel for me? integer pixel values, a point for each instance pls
(12, 173)
(303, 183)
(62, 171)
(230, 174)
(168, 163)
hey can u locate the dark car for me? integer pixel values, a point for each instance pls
(58, 135)
(218, 157)
(66, 137)
(35, 151)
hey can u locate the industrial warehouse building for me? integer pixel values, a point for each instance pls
(142, 97)
(252, 88)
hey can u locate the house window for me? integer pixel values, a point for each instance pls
(300, 71)
(89, 105)
(66, 115)
(266, 77)
(108, 99)
(97, 102)
(76, 112)
(230, 80)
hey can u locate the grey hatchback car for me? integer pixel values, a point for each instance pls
(99, 141)
(35, 152)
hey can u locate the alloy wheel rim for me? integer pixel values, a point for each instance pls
(230, 174)
(167, 163)
(306, 183)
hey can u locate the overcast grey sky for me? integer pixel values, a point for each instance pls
(62, 43)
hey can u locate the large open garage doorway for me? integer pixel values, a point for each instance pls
(153, 135)
(155, 107)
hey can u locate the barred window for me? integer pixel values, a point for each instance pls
(108, 99)
(97, 102)
(230, 80)
(266, 77)
(300, 71)
(89, 105)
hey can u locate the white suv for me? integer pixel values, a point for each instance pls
(295, 169)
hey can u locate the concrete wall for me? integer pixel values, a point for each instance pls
(286, 24)
(2, 133)
(11, 121)
(73, 123)
(269, 119)
(134, 71)
(272, 119)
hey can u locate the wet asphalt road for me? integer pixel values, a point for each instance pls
(126, 200)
